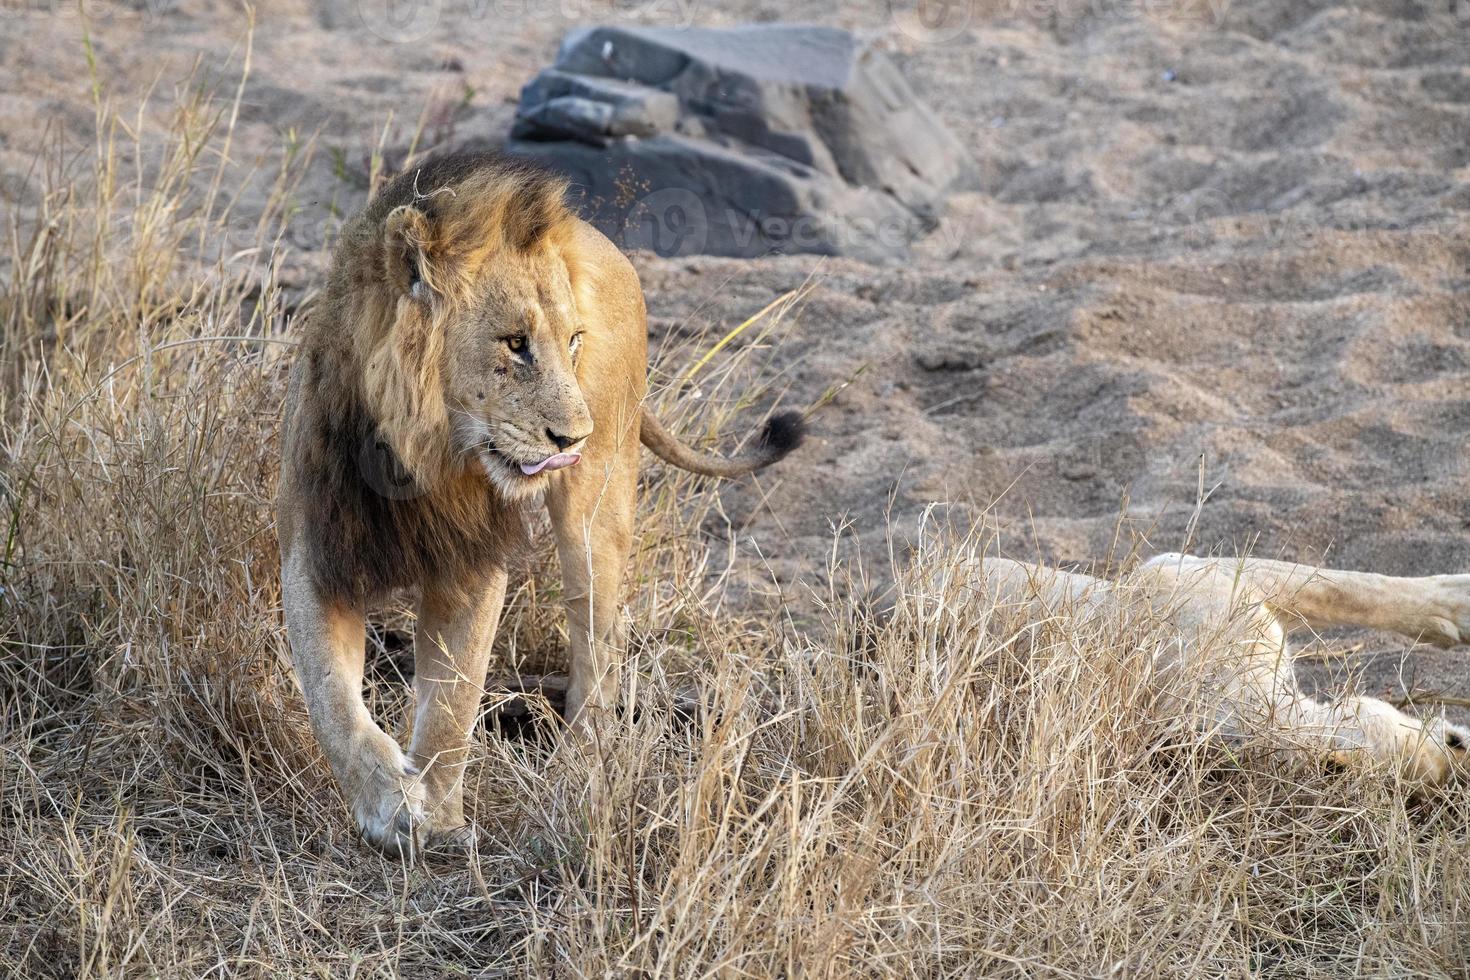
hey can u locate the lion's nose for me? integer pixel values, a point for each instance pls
(563, 441)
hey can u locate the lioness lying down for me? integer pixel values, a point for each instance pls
(1228, 662)
(477, 349)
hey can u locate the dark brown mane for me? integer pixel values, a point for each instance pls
(373, 523)
(372, 527)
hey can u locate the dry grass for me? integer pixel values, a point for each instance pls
(905, 797)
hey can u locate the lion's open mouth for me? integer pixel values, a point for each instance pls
(556, 461)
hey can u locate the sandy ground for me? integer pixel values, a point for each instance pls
(1219, 246)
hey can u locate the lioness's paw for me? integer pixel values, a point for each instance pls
(1447, 622)
(1440, 755)
(1454, 741)
(450, 841)
(389, 804)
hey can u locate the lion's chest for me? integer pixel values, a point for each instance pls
(376, 529)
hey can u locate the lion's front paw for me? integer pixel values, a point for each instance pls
(388, 804)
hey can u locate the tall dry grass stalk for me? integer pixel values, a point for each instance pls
(933, 792)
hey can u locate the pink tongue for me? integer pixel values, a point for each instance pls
(559, 461)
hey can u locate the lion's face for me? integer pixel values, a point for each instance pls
(477, 367)
(510, 383)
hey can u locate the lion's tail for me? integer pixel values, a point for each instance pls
(781, 434)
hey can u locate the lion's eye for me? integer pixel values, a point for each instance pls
(516, 343)
(576, 343)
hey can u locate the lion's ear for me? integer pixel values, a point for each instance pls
(407, 237)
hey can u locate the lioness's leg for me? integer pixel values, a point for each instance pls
(1252, 673)
(1039, 591)
(1253, 687)
(592, 512)
(451, 653)
(1434, 608)
(1369, 731)
(381, 786)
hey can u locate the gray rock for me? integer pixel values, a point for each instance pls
(560, 105)
(742, 141)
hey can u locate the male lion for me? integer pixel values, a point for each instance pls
(1225, 661)
(477, 348)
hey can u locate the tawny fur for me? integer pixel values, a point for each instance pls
(471, 325)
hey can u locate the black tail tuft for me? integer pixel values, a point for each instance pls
(782, 434)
